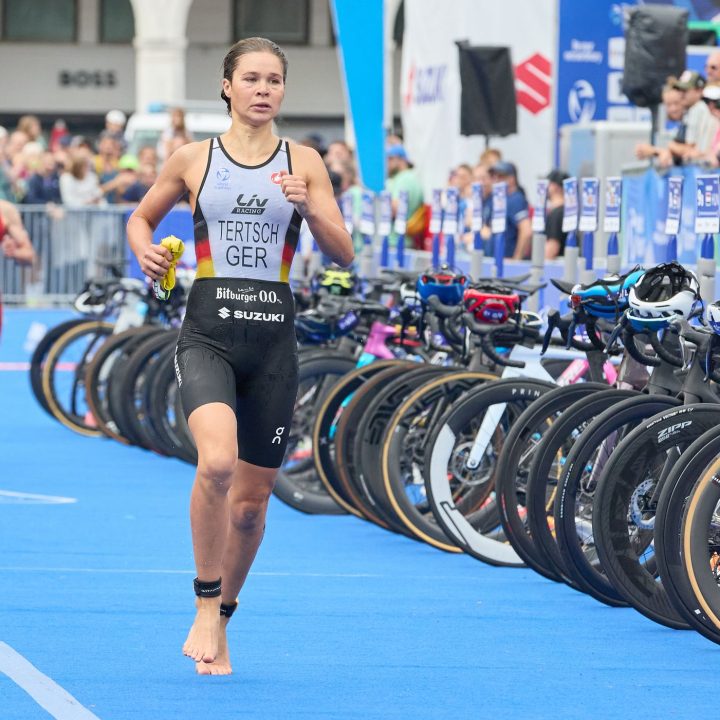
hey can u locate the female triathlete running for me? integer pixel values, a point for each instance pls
(236, 360)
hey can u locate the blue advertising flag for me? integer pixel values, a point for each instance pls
(359, 30)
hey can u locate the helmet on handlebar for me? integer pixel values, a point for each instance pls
(713, 316)
(409, 296)
(663, 293)
(491, 304)
(605, 297)
(335, 281)
(315, 327)
(447, 284)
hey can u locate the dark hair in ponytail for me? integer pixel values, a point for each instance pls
(243, 47)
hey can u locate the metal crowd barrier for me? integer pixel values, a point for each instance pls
(72, 245)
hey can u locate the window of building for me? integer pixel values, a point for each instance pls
(40, 20)
(282, 21)
(117, 22)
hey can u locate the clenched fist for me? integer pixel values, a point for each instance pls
(295, 190)
(155, 261)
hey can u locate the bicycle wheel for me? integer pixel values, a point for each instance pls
(625, 502)
(347, 461)
(165, 412)
(134, 388)
(544, 473)
(573, 508)
(63, 375)
(400, 485)
(677, 489)
(461, 464)
(101, 372)
(297, 483)
(325, 427)
(39, 356)
(514, 464)
(701, 542)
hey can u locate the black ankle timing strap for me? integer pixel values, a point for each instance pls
(206, 589)
(227, 610)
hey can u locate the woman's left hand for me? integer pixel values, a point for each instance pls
(295, 190)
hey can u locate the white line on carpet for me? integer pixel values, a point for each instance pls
(11, 496)
(160, 571)
(43, 690)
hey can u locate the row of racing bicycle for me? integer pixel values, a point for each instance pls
(584, 445)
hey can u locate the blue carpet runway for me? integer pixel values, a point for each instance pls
(339, 619)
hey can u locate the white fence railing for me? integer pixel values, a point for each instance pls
(72, 245)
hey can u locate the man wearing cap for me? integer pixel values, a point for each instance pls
(696, 134)
(402, 177)
(115, 127)
(518, 231)
(711, 97)
(554, 235)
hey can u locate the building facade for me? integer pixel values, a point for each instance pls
(76, 59)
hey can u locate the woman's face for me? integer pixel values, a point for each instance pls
(257, 88)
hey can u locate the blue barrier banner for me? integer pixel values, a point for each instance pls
(538, 221)
(385, 225)
(674, 205)
(436, 212)
(359, 29)
(613, 200)
(499, 207)
(402, 212)
(346, 206)
(570, 213)
(707, 204)
(644, 214)
(367, 217)
(450, 223)
(477, 207)
(589, 213)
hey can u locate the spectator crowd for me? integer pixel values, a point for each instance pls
(73, 171)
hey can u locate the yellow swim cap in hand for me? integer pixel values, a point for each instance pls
(163, 286)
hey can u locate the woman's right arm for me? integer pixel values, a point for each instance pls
(168, 188)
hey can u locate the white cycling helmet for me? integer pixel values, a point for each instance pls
(663, 293)
(713, 316)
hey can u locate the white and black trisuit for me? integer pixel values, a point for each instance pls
(237, 344)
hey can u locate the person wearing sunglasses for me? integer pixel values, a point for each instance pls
(712, 67)
(711, 98)
(698, 124)
(672, 99)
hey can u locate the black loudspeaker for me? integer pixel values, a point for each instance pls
(656, 37)
(487, 99)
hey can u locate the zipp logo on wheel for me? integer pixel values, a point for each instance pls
(224, 313)
(672, 430)
(277, 440)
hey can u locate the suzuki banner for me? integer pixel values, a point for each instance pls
(431, 90)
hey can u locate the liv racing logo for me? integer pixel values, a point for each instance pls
(224, 313)
(252, 207)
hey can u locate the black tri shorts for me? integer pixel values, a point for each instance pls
(238, 346)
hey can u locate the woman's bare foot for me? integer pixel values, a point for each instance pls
(221, 665)
(202, 640)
